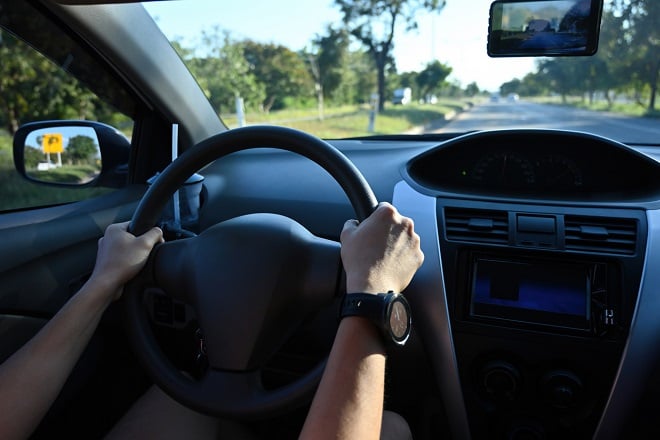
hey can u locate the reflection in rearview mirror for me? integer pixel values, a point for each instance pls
(544, 27)
(66, 154)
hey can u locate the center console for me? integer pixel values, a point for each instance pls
(540, 302)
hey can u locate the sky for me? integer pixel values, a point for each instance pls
(456, 36)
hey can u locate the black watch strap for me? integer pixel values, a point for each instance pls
(389, 312)
(363, 304)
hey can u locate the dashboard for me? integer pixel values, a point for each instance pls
(533, 305)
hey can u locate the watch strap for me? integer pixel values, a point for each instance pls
(368, 305)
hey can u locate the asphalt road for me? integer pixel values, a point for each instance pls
(521, 114)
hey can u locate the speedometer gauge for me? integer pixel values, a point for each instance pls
(504, 169)
(558, 172)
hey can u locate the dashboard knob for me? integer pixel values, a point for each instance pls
(500, 380)
(526, 431)
(561, 388)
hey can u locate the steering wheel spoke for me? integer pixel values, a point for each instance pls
(168, 268)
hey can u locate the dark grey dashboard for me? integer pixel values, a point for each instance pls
(571, 212)
(535, 165)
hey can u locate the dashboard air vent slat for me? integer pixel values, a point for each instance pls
(477, 225)
(601, 234)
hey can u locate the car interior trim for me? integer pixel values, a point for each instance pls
(428, 296)
(636, 365)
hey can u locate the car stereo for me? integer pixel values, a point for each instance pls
(570, 295)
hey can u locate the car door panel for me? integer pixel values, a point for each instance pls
(44, 263)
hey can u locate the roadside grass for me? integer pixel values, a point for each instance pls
(624, 108)
(71, 174)
(353, 121)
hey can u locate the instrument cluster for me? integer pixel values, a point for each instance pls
(510, 169)
(550, 164)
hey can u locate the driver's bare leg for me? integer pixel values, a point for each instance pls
(157, 416)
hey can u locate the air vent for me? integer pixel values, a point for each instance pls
(478, 225)
(601, 234)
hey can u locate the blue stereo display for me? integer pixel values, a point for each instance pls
(548, 293)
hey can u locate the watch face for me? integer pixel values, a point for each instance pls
(399, 320)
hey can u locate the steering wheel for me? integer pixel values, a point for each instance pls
(250, 279)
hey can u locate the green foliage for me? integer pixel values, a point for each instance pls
(281, 71)
(330, 54)
(373, 24)
(358, 81)
(81, 150)
(33, 88)
(639, 36)
(223, 72)
(432, 77)
(32, 156)
(472, 89)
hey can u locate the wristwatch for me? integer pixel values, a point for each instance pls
(390, 312)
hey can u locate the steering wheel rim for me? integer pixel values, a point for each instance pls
(325, 155)
(235, 384)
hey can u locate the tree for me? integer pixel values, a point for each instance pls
(81, 150)
(472, 89)
(282, 71)
(31, 87)
(325, 59)
(561, 75)
(330, 53)
(640, 36)
(34, 88)
(357, 81)
(512, 86)
(611, 54)
(432, 77)
(223, 72)
(32, 156)
(532, 85)
(594, 75)
(373, 24)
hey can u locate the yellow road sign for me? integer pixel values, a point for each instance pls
(52, 143)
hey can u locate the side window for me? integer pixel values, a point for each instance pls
(58, 81)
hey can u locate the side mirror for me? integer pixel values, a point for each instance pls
(72, 154)
(525, 28)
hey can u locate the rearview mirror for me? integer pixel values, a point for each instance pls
(544, 28)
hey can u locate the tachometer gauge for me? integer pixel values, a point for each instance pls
(504, 169)
(558, 172)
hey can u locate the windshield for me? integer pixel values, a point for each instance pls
(347, 68)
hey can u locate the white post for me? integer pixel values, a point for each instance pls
(240, 111)
(319, 99)
(372, 112)
(175, 152)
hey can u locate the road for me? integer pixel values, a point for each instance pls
(521, 114)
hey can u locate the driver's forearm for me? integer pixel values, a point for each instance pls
(349, 401)
(31, 378)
